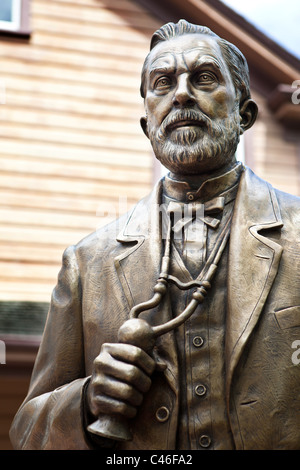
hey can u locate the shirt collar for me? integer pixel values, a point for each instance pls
(212, 187)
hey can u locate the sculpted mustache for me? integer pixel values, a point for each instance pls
(185, 115)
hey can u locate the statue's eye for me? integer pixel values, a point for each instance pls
(205, 78)
(162, 82)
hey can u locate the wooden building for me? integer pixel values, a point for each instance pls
(73, 155)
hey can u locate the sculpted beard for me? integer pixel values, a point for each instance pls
(206, 145)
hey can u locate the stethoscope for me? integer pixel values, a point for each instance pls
(138, 332)
(202, 283)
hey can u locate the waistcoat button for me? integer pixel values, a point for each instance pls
(204, 441)
(200, 390)
(162, 414)
(198, 341)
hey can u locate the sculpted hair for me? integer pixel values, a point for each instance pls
(233, 57)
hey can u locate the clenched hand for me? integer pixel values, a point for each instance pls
(120, 378)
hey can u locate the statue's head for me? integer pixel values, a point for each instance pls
(197, 98)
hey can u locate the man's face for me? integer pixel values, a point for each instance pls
(191, 105)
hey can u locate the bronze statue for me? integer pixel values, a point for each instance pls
(176, 332)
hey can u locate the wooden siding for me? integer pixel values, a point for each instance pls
(275, 151)
(71, 144)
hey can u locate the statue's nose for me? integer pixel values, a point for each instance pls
(183, 94)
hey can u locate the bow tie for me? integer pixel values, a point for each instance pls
(184, 214)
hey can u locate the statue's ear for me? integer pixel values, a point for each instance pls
(248, 114)
(144, 126)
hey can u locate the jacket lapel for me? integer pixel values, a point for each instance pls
(253, 263)
(139, 263)
(138, 268)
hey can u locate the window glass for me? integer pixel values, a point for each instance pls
(10, 12)
(6, 10)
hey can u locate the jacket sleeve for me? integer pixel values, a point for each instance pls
(51, 416)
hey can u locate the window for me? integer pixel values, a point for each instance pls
(14, 17)
(10, 14)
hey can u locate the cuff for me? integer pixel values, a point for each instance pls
(96, 442)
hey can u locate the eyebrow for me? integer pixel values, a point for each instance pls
(161, 70)
(206, 61)
(201, 62)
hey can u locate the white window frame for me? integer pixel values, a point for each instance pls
(20, 24)
(15, 24)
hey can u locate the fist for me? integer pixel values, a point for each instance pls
(120, 378)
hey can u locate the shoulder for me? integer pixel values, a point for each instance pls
(286, 201)
(108, 237)
(104, 239)
(289, 205)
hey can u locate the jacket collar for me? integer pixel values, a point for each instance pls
(209, 189)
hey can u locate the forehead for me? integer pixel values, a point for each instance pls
(189, 49)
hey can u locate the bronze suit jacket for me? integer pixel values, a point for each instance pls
(115, 268)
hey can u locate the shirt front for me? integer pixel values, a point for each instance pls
(203, 419)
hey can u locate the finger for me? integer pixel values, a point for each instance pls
(160, 366)
(109, 405)
(118, 390)
(131, 354)
(107, 367)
